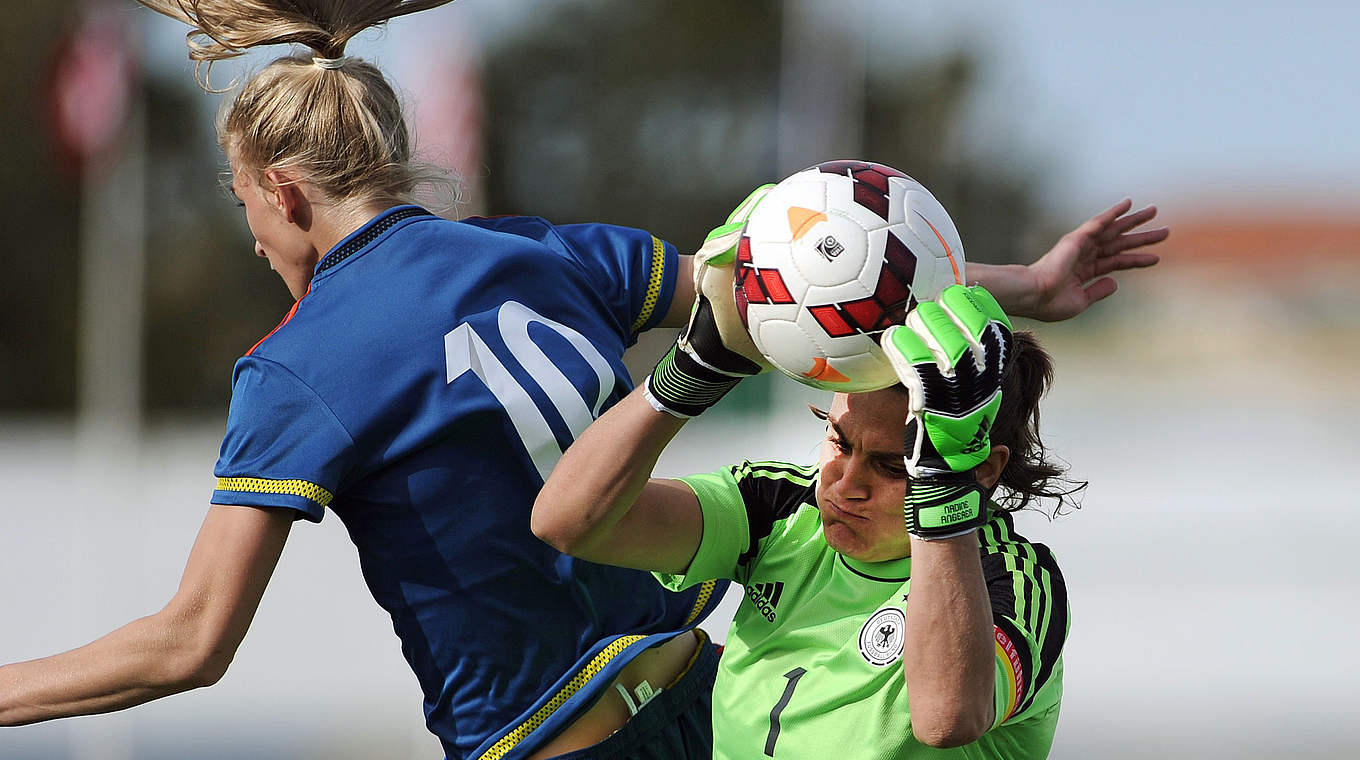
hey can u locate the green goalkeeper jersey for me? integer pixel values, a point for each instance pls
(813, 662)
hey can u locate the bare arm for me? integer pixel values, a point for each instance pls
(948, 656)
(186, 645)
(601, 503)
(1074, 273)
(683, 300)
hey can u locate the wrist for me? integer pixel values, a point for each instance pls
(684, 386)
(1018, 288)
(945, 505)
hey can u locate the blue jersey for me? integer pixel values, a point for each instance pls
(422, 389)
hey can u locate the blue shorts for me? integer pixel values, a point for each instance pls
(676, 724)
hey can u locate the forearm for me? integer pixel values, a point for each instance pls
(144, 660)
(600, 477)
(188, 644)
(948, 657)
(1012, 285)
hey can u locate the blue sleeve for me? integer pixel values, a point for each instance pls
(634, 269)
(284, 447)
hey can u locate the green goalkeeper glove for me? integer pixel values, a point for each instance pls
(951, 355)
(714, 352)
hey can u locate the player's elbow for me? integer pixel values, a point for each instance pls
(945, 728)
(947, 735)
(195, 653)
(554, 528)
(205, 668)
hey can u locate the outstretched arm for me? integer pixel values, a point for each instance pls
(186, 645)
(1074, 273)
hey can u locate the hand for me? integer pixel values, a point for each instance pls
(1073, 274)
(951, 355)
(714, 265)
(713, 352)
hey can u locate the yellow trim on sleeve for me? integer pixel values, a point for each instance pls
(705, 591)
(654, 280)
(303, 488)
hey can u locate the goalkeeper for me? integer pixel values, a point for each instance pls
(894, 610)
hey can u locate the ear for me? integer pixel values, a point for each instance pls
(989, 471)
(287, 194)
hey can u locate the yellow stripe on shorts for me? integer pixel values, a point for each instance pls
(578, 681)
(582, 677)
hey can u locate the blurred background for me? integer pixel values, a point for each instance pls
(1207, 402)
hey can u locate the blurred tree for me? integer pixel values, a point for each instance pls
(912, 115)
(655, 115)
(38, 289)
(664, 115)
(209, 298)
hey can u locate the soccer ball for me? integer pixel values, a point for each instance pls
(830, 258)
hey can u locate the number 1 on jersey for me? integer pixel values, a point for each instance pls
(773, 736)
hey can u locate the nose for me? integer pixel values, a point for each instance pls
(259, 250)
(850, 477)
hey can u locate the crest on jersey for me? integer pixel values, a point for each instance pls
(881, 637)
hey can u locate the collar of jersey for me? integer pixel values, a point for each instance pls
(364, 236)
(892, 570)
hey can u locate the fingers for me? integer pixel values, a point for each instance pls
(1097, 224)
(905, 350)
(1110, 264)
(743, 210)
(1122, 224)
(1100, 289)
(940, 330)
(720, 247)
(1113, 224)
(1134, 240)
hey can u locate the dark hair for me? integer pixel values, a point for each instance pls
(1030, 473)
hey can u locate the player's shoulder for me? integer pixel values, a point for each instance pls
(776, 482)
(773, 492)
(534, 228)
(1005, 550)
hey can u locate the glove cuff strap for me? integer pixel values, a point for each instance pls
(944, 506)
(682, 386)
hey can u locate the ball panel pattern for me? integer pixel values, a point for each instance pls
(830, 258)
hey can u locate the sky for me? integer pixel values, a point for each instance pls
(1250, 101)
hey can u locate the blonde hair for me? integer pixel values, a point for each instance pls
(339, 126)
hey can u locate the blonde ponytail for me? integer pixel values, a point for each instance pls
(331, 120)
(227, 28)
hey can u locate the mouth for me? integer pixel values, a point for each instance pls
(840, 514)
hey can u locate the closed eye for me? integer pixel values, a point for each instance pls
(893, 468)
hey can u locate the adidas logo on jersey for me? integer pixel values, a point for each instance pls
(765, 596)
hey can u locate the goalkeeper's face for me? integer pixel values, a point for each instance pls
(863, 478)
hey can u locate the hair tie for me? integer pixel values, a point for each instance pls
(330, 64)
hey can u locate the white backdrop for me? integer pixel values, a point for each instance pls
(1211, 574)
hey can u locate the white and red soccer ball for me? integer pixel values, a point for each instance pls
(830, 258)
